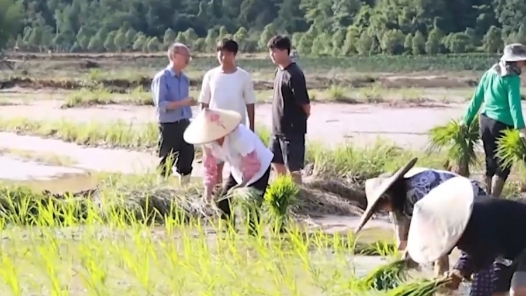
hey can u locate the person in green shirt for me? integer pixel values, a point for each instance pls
(499, 90)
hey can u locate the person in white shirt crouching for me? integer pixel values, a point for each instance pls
(224, 139)
(228, 87)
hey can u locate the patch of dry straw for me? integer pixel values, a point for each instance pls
(316, 197)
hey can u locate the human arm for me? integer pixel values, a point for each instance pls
(250, 163)
(468, 264)
(514, 99)
(161, 95)
(298, 86)
(209, 170)
(401, 228)
(206, 94)
(476, 101)
(250, 100)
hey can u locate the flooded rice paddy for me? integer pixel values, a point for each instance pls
(330, 123)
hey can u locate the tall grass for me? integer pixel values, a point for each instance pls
(105, 252)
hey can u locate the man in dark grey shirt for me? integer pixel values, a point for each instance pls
(290, 111)
(170, 90)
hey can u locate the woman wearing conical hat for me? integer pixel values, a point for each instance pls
(499, 90)
(397, 193)
(486, 229)
(223, 138)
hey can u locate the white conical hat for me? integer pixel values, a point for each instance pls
(514, 52)
(211, 124)
(376, 187)
(439, 220)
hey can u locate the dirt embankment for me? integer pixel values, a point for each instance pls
(314, 82)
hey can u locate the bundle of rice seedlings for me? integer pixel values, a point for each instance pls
(387, 276)
(248, 201)
(281, 194)
(378, 248)
(459, 142)
(421, 287)
(510, 148)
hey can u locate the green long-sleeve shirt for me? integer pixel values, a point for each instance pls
(501, 98)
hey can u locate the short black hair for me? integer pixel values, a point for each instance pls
(227, 44)
(280, 42)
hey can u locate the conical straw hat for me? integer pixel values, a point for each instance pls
(211, 124)
(376, 187)
(439, 220)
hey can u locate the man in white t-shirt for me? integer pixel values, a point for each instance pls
(229, 87)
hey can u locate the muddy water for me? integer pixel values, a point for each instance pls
(330, 123)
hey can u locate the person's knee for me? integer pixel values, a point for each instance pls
(296, 177)
(295, 156)
(279, 168)
(518, 284)
(503, 173)
(516, 292)
(491, 168)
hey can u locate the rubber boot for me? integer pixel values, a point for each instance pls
(488, 182)
(497, 186)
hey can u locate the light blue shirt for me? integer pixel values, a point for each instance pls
(168, 86)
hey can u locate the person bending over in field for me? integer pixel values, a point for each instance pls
(485, 228)
(224, 138)
(499, 90)
(397, 193)
(229, 87)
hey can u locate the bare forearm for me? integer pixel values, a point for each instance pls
(173, 105)
(204, 106)
(251, 111)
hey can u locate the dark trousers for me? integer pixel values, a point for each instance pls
(504, 273)
(225, 205)
(173, 150)
(490, 132)
(289, 150)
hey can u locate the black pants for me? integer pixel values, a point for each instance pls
(504, 273)
(289, 150)
(490, 132)
(173, 150)
(226, 207)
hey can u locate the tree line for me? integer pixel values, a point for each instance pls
(317, 27)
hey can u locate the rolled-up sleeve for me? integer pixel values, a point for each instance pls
(160, 93)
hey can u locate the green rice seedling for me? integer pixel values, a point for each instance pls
(510, 148)
(378, 248)
(281, 194)
(421, 287)
(459, 142)
(387, 276)
(249, 200)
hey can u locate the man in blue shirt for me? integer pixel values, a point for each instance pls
(170, 91)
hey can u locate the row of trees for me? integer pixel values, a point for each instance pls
(318, 27)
